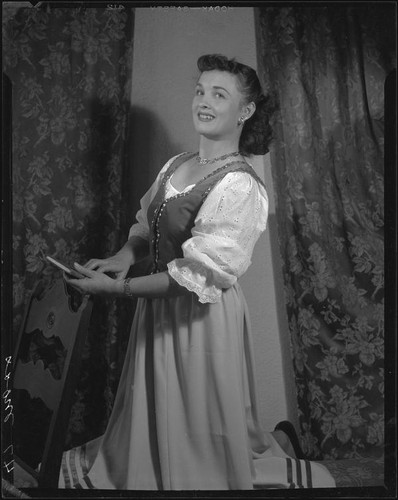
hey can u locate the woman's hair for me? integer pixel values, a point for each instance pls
(257, 132)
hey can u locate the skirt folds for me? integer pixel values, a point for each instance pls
(185, 414)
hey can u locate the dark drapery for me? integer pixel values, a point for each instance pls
(70, 69)
(327, 66)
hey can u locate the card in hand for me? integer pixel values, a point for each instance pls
(65, 268)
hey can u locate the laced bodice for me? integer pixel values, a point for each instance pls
(227, 218)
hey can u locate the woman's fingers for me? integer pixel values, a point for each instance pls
(75, 283)
(84, 270)
(104, 266)
(93, 263)
(79, 282)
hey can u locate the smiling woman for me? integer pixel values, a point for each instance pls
(217, 104)
(185, 415)
(256, 135)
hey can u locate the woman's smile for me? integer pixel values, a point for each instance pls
(205, 117)
(217, 101)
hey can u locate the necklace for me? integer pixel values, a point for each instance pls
(205, 161)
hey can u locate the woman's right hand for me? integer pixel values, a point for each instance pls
(119, 264)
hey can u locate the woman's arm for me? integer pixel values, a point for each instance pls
(226, 229)
(132, 251)
(152, 286)
(136, 247)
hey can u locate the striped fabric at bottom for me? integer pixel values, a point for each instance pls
(292, 473)
(299, 473)
(74, 469)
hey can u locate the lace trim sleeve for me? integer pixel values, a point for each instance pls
(226, 229)
(192, 276)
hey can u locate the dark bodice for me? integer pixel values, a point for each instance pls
(171, 220)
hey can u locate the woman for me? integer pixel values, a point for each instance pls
(185, 414)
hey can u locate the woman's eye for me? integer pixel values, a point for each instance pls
(198, 92)
(219, 95)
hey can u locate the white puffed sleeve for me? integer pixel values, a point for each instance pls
(226, 229)
(141, 227)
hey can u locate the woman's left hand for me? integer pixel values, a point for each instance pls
(94, 282)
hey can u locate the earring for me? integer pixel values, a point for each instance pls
(241, 121)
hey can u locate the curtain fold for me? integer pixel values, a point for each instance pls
(70, 69)
(326, 66)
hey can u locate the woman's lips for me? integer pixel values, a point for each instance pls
(205, 117)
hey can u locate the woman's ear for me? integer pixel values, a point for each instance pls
(248, 110)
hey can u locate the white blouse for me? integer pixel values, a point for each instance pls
(227, 227)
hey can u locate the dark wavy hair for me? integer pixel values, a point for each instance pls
(257, 132)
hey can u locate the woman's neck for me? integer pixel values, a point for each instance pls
(213, 149)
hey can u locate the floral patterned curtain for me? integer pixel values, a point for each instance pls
(327, 66)
(70, 70)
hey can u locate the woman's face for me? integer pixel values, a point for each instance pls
(217, 105)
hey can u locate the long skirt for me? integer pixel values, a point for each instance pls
(185, 415)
